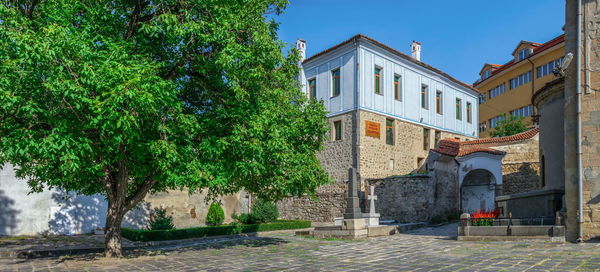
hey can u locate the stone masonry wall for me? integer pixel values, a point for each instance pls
(376, 155)
(416, 198)
(520, 166)
(336, 159)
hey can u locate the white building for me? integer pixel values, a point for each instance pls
(361, 61)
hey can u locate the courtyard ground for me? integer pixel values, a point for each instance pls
(426, 249)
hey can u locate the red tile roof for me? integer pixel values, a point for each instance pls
(393, 51)
(454, 148)
(495, 140)
(538, 49)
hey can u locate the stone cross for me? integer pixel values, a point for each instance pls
(352, 202)
(372, 197)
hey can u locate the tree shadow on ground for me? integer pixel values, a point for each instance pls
(217, 244)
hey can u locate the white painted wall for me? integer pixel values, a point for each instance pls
(52, 211)
(480, 160)
(358, 92)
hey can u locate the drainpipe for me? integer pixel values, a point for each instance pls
(356, 112)
(579, 152)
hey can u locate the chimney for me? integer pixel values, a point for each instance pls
(301, 47)
(415, 50)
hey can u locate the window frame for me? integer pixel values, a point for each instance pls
(333, 82)
(458, 106)
(426, 140)
(389, 131)
(378, 80)
(439, 102)
(469, 108)
(312, 92)
(425, 96)
(337, 131)
(397, 87)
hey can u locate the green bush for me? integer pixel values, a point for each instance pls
(215, 215)
(175, 234)
(160, 221)
(264, 211)
(244, 218)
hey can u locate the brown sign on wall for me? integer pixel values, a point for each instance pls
(372, 129)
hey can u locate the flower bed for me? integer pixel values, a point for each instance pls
(176, 234)
(484, 218)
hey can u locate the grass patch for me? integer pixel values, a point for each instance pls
(177, 234)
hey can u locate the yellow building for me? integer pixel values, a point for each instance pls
(506, 90)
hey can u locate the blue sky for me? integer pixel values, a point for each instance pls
(457, 37)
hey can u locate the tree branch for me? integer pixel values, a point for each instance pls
(139, 194)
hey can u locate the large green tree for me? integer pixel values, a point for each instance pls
(128, 97)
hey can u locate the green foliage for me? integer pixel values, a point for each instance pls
(510, 126)
(124, 98)
(161, 235)
(215, 215)
(264, 211)
(244, 218)
(160, 220)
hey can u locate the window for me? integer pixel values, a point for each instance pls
(391, 165)
(481, 98)
(520, 80)
(335, 82)
(378, 80)
(398, 87)
(482, 127)
(438, 102)
(548, 68)
(498, 90)
(424, 96)
(496, 120)
(389, 131)
(438, 137)
(425, 139)
(458, 109)
(312, 88)
(469, 120)
(337, 130)
(524, 54)
(522, 112)
(486, 74)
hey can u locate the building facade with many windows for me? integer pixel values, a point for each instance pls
(386, 110)
(506, 90)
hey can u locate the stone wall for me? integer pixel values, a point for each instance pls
(417, 198)
(589, 45)
(336, 159)
(376, 156)
(190, 210)
(520, 166)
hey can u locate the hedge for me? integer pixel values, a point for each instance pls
(176, 234)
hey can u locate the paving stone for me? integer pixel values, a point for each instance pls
(427, 249)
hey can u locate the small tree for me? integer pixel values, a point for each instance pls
(264, 211)
(159, 220)
(124, 98)
(215, 215)
(511, 126)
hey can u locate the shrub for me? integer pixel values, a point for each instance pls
(174, 234)
(264, 211)
(244, 218)
(160, 221)
(215, 215)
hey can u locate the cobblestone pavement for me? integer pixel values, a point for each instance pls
(427, 249)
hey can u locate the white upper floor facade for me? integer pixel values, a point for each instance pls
(361, 73)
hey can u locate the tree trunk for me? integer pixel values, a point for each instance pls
(112, 236)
